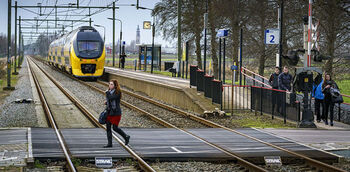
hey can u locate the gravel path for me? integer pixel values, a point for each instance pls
(19, 114)
(95, 101)
(171, 117)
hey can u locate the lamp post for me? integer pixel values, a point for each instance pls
(153, 34)
(104, 31)
(120, 38)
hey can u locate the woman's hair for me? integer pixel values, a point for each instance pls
(325, 81)
(117, 87)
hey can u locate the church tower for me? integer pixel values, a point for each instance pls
(138, 35)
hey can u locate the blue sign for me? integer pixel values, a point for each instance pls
(234, 67)
(123, 42)
(272, 36)
(222, 33)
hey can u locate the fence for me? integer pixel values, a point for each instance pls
(257, 95)
(236, 97)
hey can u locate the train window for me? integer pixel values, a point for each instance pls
(89, 46)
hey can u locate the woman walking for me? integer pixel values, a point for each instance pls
(113, 96)
(328, 83)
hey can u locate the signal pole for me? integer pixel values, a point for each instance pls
(280, 50)
(15, 66)
(179, 37)
(113, 49)
(9, 48)
(205, 36)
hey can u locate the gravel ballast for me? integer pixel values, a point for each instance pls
(171, 117)
(95, 101)
(19, 114)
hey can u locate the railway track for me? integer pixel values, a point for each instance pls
(143, 165)
(52, 121)
(311, 163)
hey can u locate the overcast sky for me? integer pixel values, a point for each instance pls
(129, 16)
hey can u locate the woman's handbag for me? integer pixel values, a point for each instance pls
(338, 99)
(336, 96)
(103, 117)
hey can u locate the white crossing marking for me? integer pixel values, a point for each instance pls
(175, 149)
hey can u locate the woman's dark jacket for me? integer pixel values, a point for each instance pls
(113, 103)
(327, 91)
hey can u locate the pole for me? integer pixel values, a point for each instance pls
(113, 48)
(47, 35)
(307, 116)
(120, 41)
(280, 41)
(205, 36)
(187, 47)
(15, 66)
(179, 36)
(19, 41)
(305, 41)
(224, 60)
(90, 22)
(153, 32)
(240, 56)
(8, 48)
(219, 58)
(309, 35)
(22, 48)
(55, 16)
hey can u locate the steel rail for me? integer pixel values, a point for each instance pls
(84, 109)
(310, 161)
(240, 160)
(51, 120)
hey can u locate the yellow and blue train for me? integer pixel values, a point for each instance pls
(80, 52)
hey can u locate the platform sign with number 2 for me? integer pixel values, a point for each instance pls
(272, 36)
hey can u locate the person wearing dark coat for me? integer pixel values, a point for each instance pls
(122, 60)
(285, 80)
(113, 96)
(274, 78)
(328, 83)
(274, 83)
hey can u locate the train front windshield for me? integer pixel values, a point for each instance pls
(89, 46)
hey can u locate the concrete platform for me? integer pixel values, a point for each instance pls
(175, 91)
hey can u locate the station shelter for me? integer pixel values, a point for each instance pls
(148, 54)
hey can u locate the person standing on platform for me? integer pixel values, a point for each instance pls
(319, 98)
(274, 78)
(285, 80)
(274, 83)
(122, 60)
(328, 83)
(114, 112)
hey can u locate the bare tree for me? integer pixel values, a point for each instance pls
(335, 25)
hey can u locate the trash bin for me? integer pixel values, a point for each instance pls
(216, 91)
(200, 80)
(208, 85)
(168, 65)
(193, 80)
